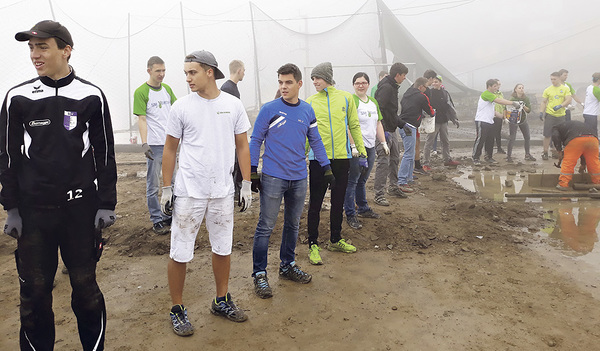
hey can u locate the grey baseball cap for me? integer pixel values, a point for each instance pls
(205, 57)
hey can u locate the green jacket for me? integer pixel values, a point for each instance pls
(336, 114)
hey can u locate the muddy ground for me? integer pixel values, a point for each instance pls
(442, 270)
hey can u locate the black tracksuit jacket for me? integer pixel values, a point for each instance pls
(56, 144)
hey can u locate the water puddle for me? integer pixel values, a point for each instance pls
(573, 223)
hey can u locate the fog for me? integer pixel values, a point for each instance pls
(473, 40)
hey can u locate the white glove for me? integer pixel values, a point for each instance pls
(354, 150)
(386, 148)
(14, 223)
(245, 195)
(166, 200)
(516, 104)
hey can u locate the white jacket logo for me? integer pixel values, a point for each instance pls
(39, 123)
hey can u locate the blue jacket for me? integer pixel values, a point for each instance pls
(284, 129)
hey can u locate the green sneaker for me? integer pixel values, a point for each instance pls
(313, 254)
(341, 246)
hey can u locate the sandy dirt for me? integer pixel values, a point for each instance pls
(442, 270)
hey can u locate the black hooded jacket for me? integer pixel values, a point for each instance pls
(563, 133)
(414, 102)
(387, 98)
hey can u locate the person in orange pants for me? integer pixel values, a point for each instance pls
(578, 140)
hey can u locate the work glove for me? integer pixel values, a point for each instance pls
(354, 150)
(245, 195)
(541, 116)
(385, 147)
(166, 200)
(387, 136)
(104, 218)
(148, 151)
(255, 179)
(14, 223)
(516, 104)
(456, 123)
(407, 130)
(329, 178)
(557, 107)
(363, 163)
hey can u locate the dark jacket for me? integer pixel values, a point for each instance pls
(442, 102)
(413, 104)
(57, 145)
(387, 98)
(563, 133)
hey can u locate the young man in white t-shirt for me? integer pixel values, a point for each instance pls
(484, 120)
(591, 106)
(212, 127)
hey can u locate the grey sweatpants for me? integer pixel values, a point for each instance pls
(441, 128)
(387, 165)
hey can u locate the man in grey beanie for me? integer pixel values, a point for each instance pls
(336, 112)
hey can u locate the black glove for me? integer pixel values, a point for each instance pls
(541, 116)
(407, 130)
(255, 178)
(456, 123)
(148, 151)
(557, 107)
(329, 178)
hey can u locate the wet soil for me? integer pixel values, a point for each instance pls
(442, 270)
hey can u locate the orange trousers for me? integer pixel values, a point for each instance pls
(583, 145)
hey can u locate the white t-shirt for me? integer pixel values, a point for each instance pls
(206, 129)
(485, 107)
(592, 105)
(368, 117)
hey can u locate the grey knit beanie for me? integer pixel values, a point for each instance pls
(324, 71)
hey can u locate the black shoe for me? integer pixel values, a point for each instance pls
(545, 156)
(160, 228)
(501, 151)
(420, 171)
(295, 274)
(490, 160)
(180, 321)
(395, 191)
(509, 159)
(528, 157)
(369, 214)
(228, 309)
(353, 222)
(261, 286)
(168, 221)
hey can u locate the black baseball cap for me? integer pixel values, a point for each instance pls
(207, 58)
(46, 29)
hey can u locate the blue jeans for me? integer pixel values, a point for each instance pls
(356, 190)
(153, 184)
(273, 190)
(407, 165)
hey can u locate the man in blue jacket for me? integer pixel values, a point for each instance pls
(283, 125)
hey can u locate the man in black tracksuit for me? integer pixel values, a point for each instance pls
(58, 175)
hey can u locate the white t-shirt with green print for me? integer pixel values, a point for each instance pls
(485, 107)
(155, 104)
